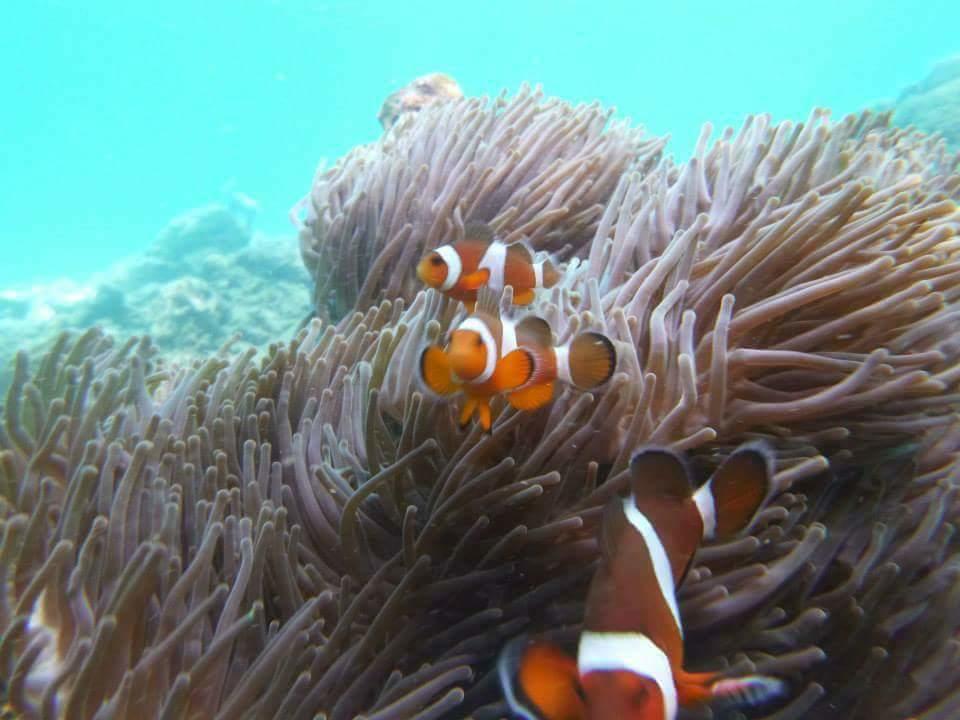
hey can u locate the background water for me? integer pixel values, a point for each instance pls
(118, 115)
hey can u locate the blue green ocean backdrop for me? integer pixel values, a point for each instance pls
(254, 484)
(119, 115)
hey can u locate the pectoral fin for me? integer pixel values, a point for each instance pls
(475, 280)
(513, 370)
(435, 371)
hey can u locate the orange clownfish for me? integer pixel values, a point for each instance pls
(630, 659)
(461, 269)
(487, 356)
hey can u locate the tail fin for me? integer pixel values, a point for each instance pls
(748, 691)
(539, 681)
(591, 359)
(729, 500)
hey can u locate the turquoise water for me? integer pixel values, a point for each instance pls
(118, 115)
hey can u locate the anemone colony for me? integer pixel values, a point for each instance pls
(307, 534)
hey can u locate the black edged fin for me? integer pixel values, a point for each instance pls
(513, 370)
(593, 359)
(488, 301)
(740, 486)
(660, 472)
(535, 329)
(476, 230)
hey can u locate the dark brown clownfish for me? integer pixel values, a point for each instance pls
(461, 269)
(630, 659)
(488, 355)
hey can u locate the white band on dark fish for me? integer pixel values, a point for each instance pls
(562, 354)
(633, 653)
(454, 266)
(707, 508)
(494, 260)
(477, 325)
(658, 557)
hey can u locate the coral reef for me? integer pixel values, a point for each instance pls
(309, 533)
(933, 104)
(206, 278)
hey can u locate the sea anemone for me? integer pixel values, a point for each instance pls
(542, 168)
(308, 532)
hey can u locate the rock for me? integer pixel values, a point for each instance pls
(188, 313)
(108, 304)
(212, 227)
(204, 280)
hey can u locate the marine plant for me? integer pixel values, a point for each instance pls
(538, 168)
(308, 533)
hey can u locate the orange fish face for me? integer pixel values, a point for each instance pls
(621, 694)
(468, 354)
(432, 270)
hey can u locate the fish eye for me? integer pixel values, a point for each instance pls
(436, 260)
(478, 341)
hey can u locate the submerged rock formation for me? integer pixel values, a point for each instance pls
(206, 279)
(933, 104)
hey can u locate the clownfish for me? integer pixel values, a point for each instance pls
(630, 659)
(488, 355)
(461, 269)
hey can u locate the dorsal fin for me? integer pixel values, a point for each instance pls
(475, 231)
(732, 496)
(488, 302)
(521, 252)
(611, 527)
(535, 329)
(659, 472)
